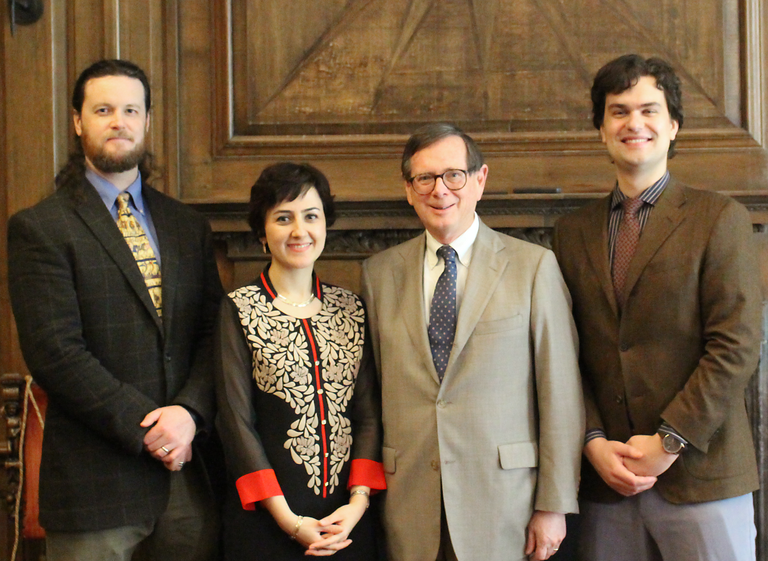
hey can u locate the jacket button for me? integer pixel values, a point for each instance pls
(441, 404)
(167, 357)
(619, 399)
(435, 465)
(624, 347)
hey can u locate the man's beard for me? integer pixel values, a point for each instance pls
(112, 163)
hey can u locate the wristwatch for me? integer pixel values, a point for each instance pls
(671, 444)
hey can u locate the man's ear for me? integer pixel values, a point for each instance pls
(675, 128)
(146, 126)
(408, 193)
(78, 123)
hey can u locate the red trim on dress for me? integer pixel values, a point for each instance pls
(318, 389)
(267, 287)
(367, 473)
(257, 486)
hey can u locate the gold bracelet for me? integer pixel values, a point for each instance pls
(299, 522)
(364, 493)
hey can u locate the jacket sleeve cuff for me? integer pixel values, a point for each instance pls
(257, 486)
(367, 473)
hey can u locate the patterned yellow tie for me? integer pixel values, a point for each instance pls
(142, 251)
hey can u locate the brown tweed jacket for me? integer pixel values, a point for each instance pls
(686, 344)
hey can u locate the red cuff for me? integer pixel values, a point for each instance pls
(367, 473)
(257, 486)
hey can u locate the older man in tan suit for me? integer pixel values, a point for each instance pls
(476, 349)
(667, 302)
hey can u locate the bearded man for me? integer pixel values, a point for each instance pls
(115, 290)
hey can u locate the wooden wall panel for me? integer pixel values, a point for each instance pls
(367, 66)
(6, 532)
(341, 83)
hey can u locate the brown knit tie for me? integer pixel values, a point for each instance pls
(626, 243)
(142, 251)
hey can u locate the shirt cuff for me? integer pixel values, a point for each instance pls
(593, 434)
(367, 473)
(257, 486)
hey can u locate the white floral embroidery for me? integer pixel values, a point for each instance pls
(283, 366)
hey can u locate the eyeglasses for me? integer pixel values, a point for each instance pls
(424, 183)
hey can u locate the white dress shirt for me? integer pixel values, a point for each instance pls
(434, 266)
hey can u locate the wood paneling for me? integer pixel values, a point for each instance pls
(341, 83)
(376, 66)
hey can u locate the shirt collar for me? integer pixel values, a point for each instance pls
(463, 245)
(108, 192)
(650, 195)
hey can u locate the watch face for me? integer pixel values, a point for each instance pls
(671, 445)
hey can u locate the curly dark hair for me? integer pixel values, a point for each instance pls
(623, 73)
(286, 181)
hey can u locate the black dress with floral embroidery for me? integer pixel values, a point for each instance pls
(299, 415)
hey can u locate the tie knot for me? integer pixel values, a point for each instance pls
(632, 206)
(122, 200)
(447, 253)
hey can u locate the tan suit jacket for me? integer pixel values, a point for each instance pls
(686, 344)
(502, 434)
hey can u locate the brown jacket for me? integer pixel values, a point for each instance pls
(686, 344)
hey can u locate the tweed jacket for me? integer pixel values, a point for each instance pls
(93, 341)
(684, 347)
(502, 435)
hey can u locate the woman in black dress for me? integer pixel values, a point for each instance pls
(299, 406)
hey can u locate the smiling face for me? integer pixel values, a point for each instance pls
(637, 130)
(295, 231)
(446, 214)
(112, 123)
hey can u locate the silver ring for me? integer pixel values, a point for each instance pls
(164, 449)
(555, 548)
(181, 465)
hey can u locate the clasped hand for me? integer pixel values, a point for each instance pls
(632, 467)
(331, 534)
(170, 438)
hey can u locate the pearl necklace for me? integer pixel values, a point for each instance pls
(296, 304)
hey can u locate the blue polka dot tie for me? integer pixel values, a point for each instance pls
(442, 315)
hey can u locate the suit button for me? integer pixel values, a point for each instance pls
(624, 347)
(167, 357)
(441, 404)
(435, 465)
(619, 399)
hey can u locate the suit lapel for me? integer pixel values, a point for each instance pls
(485, 271)
(168, 244)
(662, 222)
(409, 278)
(595, 238)
(96, 216)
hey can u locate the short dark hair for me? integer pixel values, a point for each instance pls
(286, 181)
(109, 67)
(623, 73)
(428, 135)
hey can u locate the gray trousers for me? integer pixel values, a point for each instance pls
(187, 531)
(646, 527)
